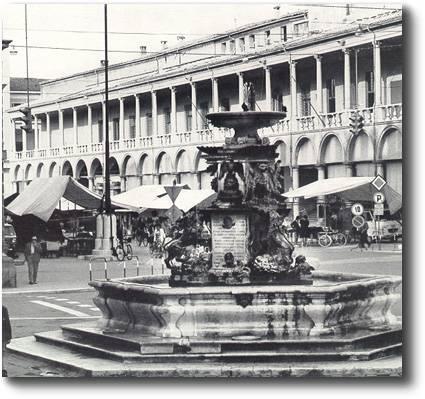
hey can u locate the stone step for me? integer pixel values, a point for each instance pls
(56, 338)
(149, 344)
(86, 366)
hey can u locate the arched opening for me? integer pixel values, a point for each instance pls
(81, 173)
(129, 169)
(204, 177)
(96, 172)
(67, 169)
(165, 169)
(332, 156)
(283, 159)
(41, 170)
(145, 169)
(29, 174)
(19, 179)
(391, 156)
(114, 172)
(183, 169)
(361, 154)
(54, 169)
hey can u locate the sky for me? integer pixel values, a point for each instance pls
(148, 23)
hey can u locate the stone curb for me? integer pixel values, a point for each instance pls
(49, 291)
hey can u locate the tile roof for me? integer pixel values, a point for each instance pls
(20, 84)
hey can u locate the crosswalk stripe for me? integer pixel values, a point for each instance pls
(95, 309)
(61, 308)
(61, 299)
(84, 306)
(73, 302)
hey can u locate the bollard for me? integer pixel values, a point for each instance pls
(106, 270)
(152, 266)
(137, 267)
(124, 270)
(162, 265)
(90, 272)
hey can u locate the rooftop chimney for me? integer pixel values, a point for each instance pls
(142, 49)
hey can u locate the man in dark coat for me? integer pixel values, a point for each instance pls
(32, 256)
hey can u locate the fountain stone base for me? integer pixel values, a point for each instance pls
(333, 305)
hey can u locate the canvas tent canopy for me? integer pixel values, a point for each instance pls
(42, 195)
(164, 197)
(349, 188)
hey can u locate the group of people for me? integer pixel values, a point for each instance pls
(300, 227)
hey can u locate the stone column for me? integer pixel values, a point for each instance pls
(123, 183)
(104, 120)
(319, 87)
(49, 136)
(91, 183)
(215, 94)
(75, 124)
(173, 111)
(320, 176)
(61, 129)
(122, 130)
(90, 122)
(293, 90)
(36, 141)
(137, 114)
(194, 109)
(24, 141)
(380, 169)
(154, 114)
(349, 169)
(240, 86)
(377, 72)
(268, 78)
(347, 79)
(295, 185)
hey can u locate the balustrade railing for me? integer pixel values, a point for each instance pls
(18, 154)
(392, 112)
(42, 153)
(29, 154)
(184, 138)
(114, 145)
(129, 143)
(306, 123)
(97, 147)
(54, 152)
(164, 140)
(205, 135)
(146, 141)
(367, 114)
(68, 150)
(83, 148)
(334, 119)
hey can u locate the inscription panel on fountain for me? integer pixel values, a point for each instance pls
(229, 234)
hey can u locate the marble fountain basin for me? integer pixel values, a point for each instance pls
(335, 304)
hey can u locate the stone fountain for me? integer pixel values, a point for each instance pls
(236, 294)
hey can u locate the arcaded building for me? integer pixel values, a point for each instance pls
(158, 104)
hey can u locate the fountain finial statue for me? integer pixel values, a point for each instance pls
(248, 103)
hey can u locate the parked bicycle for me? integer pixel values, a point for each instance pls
(124, 249)
(142, 237)
(329, 237)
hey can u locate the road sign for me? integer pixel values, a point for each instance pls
(358, 221)
(378, 182)
(378, 198)
(378, 209)
(357, 209)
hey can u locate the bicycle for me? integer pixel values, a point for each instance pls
(156, 249)
(329, 237)
(142, 238)
(124, 249)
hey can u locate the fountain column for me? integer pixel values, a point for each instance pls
(295, 185)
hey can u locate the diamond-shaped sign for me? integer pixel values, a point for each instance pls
(379, 182)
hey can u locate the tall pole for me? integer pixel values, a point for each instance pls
(26, 56)
(107, 192)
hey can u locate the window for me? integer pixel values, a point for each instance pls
(223, 48)
(242, 44)
(370, 89)
(167, 120)
(305, 101)
(116, 129)
(204, 109)
(396, 90)
(224, 104)
(188, 116)
(268, 37)
(330, 86)
(232, 47)
(100, 130)
(300, 29)
(132, 126)
(284, 33)
(18, 140)
(277, 102)
(251, 39)
(149, 124)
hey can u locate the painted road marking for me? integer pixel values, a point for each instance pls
(61, 299)
(73, 302)
(53, 318)
(95, 309)
(84, 306)
(61, 308)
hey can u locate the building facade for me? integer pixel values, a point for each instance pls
(158, 103)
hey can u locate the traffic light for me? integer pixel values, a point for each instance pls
(356, 123)
(26, 118)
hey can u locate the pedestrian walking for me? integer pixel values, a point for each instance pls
(364, 238)
(296, 229)
(32, 256)
(6, 337)
(304, 230)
